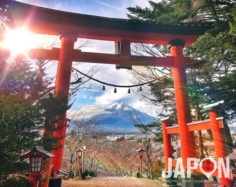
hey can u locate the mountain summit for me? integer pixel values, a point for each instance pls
(118, 106)
(118, 117)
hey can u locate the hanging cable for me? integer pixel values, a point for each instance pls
(121, 86)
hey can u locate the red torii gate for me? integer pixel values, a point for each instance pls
(215, 124)
(71, 26)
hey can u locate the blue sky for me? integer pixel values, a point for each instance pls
(106, 73)
(106, 8)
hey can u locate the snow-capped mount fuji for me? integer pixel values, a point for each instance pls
(119, 117)
(118, 107)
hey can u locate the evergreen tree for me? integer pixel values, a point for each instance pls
(26, 107)
(153, 127)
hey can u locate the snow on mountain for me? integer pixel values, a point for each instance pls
(119, 117)
(118, 106)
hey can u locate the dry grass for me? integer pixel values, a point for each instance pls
(112, 182)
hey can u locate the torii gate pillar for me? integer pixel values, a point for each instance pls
(166, 142)
(219, 143)
(182, 101)
(62, 88)
(217, 133)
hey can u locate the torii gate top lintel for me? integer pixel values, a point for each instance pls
(53, 22)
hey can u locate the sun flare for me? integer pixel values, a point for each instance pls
(19, 41)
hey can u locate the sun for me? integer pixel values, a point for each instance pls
(19, 41)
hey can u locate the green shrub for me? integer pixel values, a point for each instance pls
(138, 175)
(90, 173)
(71, 175)
(16, 182)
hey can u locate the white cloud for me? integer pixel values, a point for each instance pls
(118, 9)
(139, 104)
(110, 6)
(109, 97)
(87, 97)
(85, 112)
(96, 46)
(144, 107)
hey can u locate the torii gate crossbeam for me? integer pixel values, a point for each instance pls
(53, 22)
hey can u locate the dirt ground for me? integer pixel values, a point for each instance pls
(112, 182)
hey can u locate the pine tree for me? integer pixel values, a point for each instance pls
(25, 108)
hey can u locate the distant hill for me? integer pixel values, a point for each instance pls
(119, 117)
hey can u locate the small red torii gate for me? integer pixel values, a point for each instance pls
(123, 32)
(215, 124)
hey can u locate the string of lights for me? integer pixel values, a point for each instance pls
(119, 86)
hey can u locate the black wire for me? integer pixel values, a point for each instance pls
(120, 86)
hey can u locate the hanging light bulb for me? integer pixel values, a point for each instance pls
(129, 90)
(140, 89)
(103, 88)
(115, 90)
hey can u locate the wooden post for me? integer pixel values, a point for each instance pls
(141, 164)
(79, 174)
